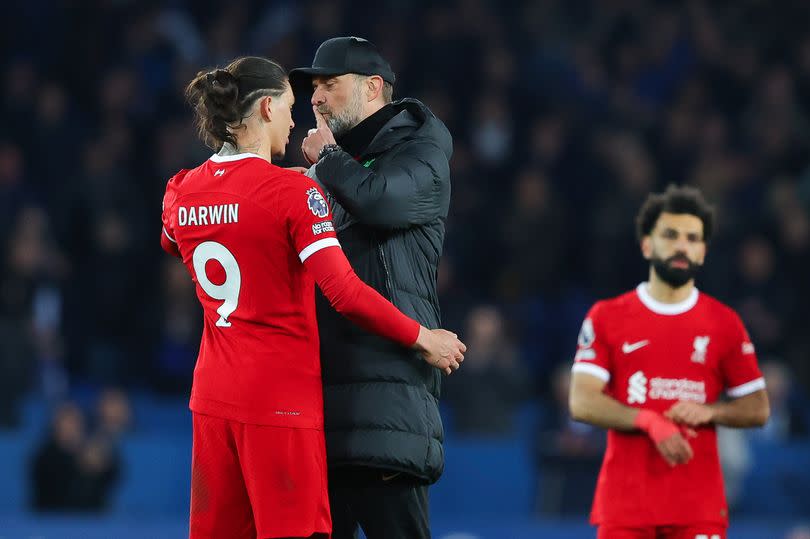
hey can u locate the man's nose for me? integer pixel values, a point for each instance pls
(317, 98)
(681, 245)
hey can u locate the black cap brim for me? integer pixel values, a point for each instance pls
(301, 77)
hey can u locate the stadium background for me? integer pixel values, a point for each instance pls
(565, 114)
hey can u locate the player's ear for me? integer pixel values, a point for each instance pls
(265, 108)
(646, 247)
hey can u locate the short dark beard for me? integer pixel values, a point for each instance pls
(674, 277)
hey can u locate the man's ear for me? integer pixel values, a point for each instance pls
(646, 247)
(374, 85)
(265, 107)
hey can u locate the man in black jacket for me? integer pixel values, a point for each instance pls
(386, 168)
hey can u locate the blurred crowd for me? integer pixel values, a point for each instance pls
(78, 464)
(565, 115)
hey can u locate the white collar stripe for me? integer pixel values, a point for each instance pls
(216, 158)
(668, 309)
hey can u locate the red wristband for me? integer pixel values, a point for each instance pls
(657, 427)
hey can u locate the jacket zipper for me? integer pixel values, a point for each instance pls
(388, 284)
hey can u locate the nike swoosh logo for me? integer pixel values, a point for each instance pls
(628, 348)
(390, 477)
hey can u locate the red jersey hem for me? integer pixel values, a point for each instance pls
(233, 412)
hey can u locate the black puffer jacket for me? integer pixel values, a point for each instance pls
(390, 206)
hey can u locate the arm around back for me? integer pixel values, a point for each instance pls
(357, 301)
(364, 306)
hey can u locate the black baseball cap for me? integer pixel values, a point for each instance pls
(341, 55)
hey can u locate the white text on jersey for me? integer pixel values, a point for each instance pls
(222, 214)
(640, 388)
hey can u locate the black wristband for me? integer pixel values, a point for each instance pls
(326, 150)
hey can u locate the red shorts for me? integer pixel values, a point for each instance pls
(257, 482)
(698, 531)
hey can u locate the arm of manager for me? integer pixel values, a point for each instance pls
(408, 188)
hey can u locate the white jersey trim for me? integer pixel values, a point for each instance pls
(167, 235)
(314, 247)
(594, 370)
(217, 158)
(669, 309)
(747, 388)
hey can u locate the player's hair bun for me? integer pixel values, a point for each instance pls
(221, 94)
(215, 98)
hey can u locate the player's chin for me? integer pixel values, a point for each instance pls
(279, 154)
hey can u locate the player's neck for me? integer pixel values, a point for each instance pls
(253, 143)
(665, 293)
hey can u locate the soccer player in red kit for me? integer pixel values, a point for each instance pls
(255, 238)
(651, 366)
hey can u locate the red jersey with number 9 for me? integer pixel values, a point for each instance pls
(243, 228)
(652, 355)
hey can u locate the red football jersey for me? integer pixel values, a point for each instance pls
(653, 355)
(243, 227)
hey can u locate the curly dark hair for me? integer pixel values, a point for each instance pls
(676, 199)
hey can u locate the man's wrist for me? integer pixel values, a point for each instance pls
(419, 342)
(643, 419)
(657, 427)
(327, 149)
(715, 409)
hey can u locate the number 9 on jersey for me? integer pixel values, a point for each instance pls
(228, 290)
